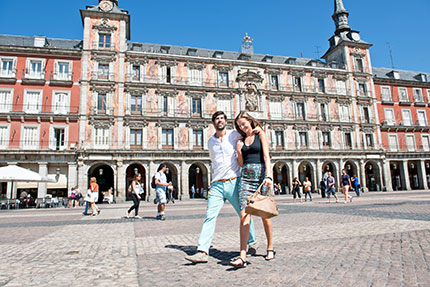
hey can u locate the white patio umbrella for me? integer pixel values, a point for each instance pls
(14, 173)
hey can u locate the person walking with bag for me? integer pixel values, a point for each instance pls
(136, 191)
(226, 170)
(94, 187)
(307, 189)
(160, 190)
(253, 156)
(346, 185)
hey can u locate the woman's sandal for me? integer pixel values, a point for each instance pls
(270, 255)
(238, 262)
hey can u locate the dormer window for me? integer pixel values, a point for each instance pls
(218, 54)
(423, 77)
(268, 59)
(164, 50)
(191, 52)
(396, 75)
(359, 65)
(291, 61)
(244, 57)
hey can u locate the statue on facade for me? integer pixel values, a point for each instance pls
(251, 98)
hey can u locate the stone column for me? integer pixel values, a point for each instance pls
(387, 175)
(315, 182)
(72, 175)
(82, 177)
(363, 176)
(42, 186)
(406, 175)
(183, 189)
(11, 192)
(341, 163)
(318, 174)
(295, 172)
(120, 186)
(152, 170)
(423, 174)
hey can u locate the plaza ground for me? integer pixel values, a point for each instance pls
(380, 239)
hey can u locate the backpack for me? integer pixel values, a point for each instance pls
(153, 185)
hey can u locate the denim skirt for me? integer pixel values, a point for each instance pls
(251, 177)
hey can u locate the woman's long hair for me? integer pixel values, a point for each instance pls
(245, 115)
(160, 167)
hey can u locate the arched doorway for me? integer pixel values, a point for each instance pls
(105, 178)
(414, 169)
(350, 169)
(281, 176)
(172, 176)
(198, 176)
(373, 180)
(328, 167)
(396, 175)
(132, 170)
(305, 170)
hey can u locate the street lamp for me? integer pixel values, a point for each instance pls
(167, 170)
(304, 168)
(197, 170)
(348, 167)
(280, 168)
(100, 172)
(57, 174)
(412, 165)
(136, 170)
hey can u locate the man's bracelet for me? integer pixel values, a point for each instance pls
(269, 178)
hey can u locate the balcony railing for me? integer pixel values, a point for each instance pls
(9, 73)
(61, 77)
(33, 77)
(36, 108)
(96, 76)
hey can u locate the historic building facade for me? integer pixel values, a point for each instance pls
(403, 106)
(143, 104)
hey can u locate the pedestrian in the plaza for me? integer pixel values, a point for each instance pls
(307, 188)
(170, 190)
(253, 156)
(74, 197)
(226, 170)
(94, 196)
(136, 191)
(160, 190)
(356, 185)
(331, 190)
(193, 191)
(346, 185)
(323, 187)
(296, 184)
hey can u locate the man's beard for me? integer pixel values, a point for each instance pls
(220, 127)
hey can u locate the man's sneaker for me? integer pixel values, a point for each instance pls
(252, 249)
(162, 217)
(199, 257)
(158, 217)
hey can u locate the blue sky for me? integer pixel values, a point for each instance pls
(278, 27)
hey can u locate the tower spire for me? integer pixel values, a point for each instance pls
(340, 17)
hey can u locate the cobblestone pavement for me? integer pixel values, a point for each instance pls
(380, 239)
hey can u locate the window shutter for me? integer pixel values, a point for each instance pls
(51, 138)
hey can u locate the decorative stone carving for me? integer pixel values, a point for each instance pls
(358, 54)
(166, 93)
(195, 66)
(224, 69)
(167, 125)
(103, 89)
(346, 129)
(275, 98)
(228, 96)
(297, 73)
(167, 63)
(103, 59)
(249, 76)
(325, 128)
(136, 61)
(104, 26)
(136, 91)
(198, 95)
(302, 127)
(101, 123)
(322, 100)
(273, 71)
(135, 124)
(197, 125)
(251, 97)
(319, 75)
(343, 101)
(340, 77)
(297, 99)
(278, 128)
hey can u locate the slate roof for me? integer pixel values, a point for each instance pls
(26, 41)
(387, 73)
(199, 52)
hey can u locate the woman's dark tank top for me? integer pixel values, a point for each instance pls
(254, 152)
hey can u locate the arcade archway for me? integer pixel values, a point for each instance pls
(197, 177)
(130, 172)
(104, 175)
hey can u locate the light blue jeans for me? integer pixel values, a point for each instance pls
(219, 193)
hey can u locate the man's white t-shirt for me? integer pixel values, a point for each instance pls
(223, 156)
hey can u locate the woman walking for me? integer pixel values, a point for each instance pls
(296, 184)
(94, 187)
(346, 184)
(307, 189)
(136, 190)
(253, 156)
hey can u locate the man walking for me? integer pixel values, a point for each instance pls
(330, 187)
(226, 170)
(160, 190)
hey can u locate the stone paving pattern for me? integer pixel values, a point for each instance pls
(380, 239)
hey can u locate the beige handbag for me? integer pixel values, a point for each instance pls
(262, 205)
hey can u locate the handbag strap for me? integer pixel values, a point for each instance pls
(270, 189)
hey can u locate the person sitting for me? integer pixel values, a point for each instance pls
(108, 196)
